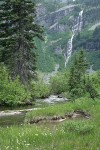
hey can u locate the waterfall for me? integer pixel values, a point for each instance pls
(75, 29)
(69, 49)
(81, 20)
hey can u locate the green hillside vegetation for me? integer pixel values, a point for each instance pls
(45, 59)
(76, 83)
(89, 40)
(70, 84)
(91, 16)
(94, 59)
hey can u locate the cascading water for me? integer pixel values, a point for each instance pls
(75, 29)
(69, 49)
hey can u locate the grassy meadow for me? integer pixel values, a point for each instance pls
(74, 134)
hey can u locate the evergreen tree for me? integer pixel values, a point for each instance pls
(17, 32)
(77, 76)
(90, 89)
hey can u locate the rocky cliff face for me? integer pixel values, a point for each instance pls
(67, 29)
(51, 21)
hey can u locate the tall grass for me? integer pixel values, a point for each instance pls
(61, 109)
(68, 135)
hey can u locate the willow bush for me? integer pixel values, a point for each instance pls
(12, 92)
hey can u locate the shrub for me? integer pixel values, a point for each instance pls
(59, 83)
(40, 90)
(12, 92)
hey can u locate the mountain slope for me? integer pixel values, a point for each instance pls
(69, 26)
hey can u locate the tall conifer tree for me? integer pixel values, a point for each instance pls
(17, 32)
(77, 76)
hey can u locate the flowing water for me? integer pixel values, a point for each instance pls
(16, 117)
(75, 29)
(52, 100)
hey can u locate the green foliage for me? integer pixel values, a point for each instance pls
(80, 127)
(93, 57)
(83, 103)
(95, 79)
(45, 59)
(68, 20)
(17, 31)
(90, 89)
(76, 81)
(89, 40)
(40, 90)
(11, 91)
(84, 39)
(70, 134)
(96, 33)
(79, 83)
(59, 83)
(81, 38)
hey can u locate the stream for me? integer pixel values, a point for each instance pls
(10, 116)
(16, 116)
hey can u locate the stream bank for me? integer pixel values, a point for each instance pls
(77, 114)
(17, 116)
